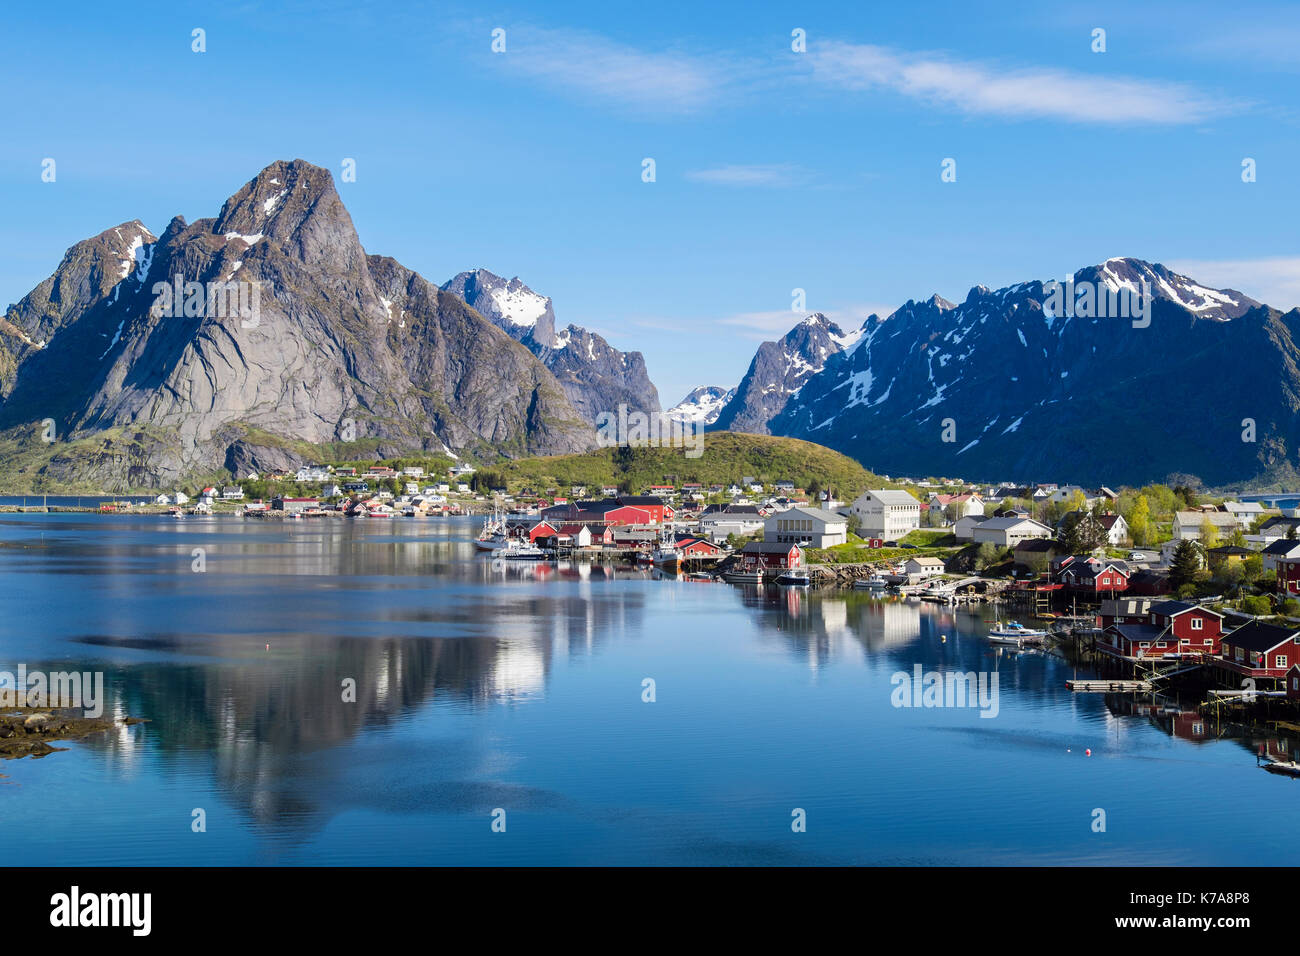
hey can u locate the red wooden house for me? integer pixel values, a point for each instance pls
(762, 555)
(692, 547)
(1091, 576)
(543, 529)
(1293, 682)
(1171, 629)
(1288, 575)
(1261, 650)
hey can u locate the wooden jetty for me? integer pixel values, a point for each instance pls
(1104, 686)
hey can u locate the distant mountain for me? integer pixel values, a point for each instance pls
(1008, 383)
(703, 405)
(779, 370)
(345, 346)
(594, 375)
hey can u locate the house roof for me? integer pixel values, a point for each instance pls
(926, 561)
(889, 496)
(1037, 546)
(1255, 636)
(1284, 547)
(1009, 522)
(768, 547)
(1229, 549)
(640, 500)
(817, 514)
(1125, 607)
(1198, 518)
(1140, 632)
(1175, 608)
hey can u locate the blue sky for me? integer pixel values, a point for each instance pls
(775, 170)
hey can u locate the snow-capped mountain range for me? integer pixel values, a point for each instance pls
(1008, 383)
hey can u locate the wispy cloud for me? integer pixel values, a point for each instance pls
(1028, 93)
(597, 67)
(764, 326)
(1274, 281)
(780, 174)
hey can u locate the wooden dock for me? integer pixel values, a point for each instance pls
(1102, 686)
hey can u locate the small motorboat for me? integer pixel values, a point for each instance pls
(743, 577)
(1014, 633)
(873, 583)
(794, 579)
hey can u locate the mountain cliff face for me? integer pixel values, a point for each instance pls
(331, 344)
(595, 376)
(779, 370)
(1009, 385)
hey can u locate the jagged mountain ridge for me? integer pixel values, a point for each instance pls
(1025, 393)
(595, 376)
(779, 370)
(346, 343)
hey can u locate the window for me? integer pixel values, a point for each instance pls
(1198, 729)
(1208, 642)
(1198, 624)
(1160, 643)
(1279, 660)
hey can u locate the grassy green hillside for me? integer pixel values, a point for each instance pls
(727, 456)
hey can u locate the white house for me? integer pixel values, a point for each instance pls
(810, 527)
(921, 568)
(965, 527)
(886, 514)
(312, 473)
(1244, 511)
(1187, 524)
(232, 493)
(1009, 532)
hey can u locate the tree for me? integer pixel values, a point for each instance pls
(987, 555)
(1082, 533)
(1209, 533)
(1186, 565)
(854, 522)
(1139, 521)
(1255, 604)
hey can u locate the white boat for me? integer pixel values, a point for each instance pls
(1014, 633)
(873, 583)
(794, 579)
(743, 577)
(520, 552)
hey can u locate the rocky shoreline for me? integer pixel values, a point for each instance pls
(27, 731)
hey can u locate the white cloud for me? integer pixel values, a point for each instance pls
(1027, 93)
(1273, 281)
(597, 67)
(780, 174)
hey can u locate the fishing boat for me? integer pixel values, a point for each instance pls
(1014, 633)
(794, 579)
(493, 537)
(667, 557)
(743, 577)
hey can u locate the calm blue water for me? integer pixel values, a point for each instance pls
(522, 690)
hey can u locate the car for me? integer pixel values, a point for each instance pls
(909, 547)
(1139, 556)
